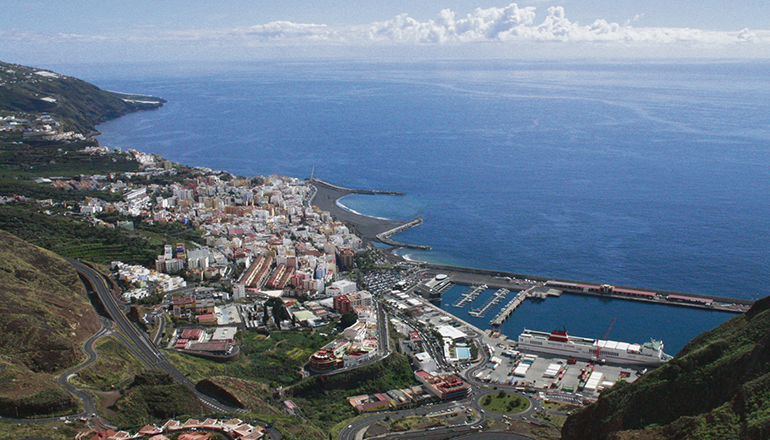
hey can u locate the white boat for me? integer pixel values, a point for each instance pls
(558, 342)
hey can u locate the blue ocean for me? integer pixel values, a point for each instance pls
(646, 174)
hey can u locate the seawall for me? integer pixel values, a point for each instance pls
(500, 279)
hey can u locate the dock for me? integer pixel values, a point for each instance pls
(498, 297)
(503, 314)
(465, 298)
(533, 292)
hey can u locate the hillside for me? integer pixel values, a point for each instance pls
(78, 105)
(717, 387)
(44, 318)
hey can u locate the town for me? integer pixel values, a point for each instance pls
(264, 258)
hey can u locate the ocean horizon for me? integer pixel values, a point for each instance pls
(640, 174)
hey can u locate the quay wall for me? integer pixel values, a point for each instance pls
(500, 274)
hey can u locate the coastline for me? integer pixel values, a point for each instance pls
(372, 229)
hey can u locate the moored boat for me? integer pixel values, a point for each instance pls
(558, 342)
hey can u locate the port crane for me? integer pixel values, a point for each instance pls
(598, 348)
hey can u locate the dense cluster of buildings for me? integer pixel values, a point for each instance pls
(140, 277)
(264, 226)
(192, 429)
(359, 343)
(37, 126)
(435, 387)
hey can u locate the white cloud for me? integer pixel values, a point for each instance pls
(509, 27)
(515, 24)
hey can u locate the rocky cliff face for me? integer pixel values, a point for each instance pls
(717, 387)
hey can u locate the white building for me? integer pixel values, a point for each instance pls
(239, 291)
(344, 287)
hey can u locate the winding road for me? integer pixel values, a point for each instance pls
(141, 345)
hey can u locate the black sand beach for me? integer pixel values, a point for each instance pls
(368, 227)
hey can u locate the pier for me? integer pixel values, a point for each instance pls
(496, 299)
(532, 292)
(315, 181)
(502, 315)
(465, 298)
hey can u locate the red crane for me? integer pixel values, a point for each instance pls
(598, 348)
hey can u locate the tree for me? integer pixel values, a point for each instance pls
(277, 316)
(348, 319)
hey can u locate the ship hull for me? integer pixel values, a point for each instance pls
(586, 349)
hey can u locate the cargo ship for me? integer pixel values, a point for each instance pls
(559, 343)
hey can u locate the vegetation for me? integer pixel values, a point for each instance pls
(44, 312)
(39, 158)
(154, 397)
(24, 393)
(347, 320)
(277, 358)
(324, 398)
(414, 423)
(48, 430)
(718, 386)
(505, 403)
(79, 105)
(114, 368)
(274, 359)
(555, 420)
(559, 406)
(69, 236)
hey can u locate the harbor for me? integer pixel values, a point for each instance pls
(509, 308)
(491, 302)
(470, 296)
(519, 282)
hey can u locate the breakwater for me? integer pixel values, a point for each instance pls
(509, 280)
(384, 237)
(315, 181)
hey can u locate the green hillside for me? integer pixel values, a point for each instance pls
(80, 106)
(717, 387)
(44, 318)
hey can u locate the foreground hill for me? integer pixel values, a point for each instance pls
(80, 106)
(44, 318)
(717, 387)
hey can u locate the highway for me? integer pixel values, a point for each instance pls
(138, 339)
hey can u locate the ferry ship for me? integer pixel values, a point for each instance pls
(558, 342)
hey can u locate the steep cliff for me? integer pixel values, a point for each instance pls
(717, 387)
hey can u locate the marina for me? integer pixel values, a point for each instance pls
(497, 298)
(470, 296)
(509, 308)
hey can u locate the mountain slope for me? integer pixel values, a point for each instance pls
(717, 387)
(44, 313)
(44, 318)
(79, 105)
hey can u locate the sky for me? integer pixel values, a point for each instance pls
(56, 31)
